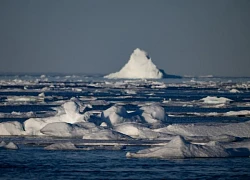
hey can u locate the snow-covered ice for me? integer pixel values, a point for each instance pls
(61, 146)
(10, 145)
(215, 100)
(139, 66)
(13, 128)
(178, 147)
(69, 114)
(216, 129)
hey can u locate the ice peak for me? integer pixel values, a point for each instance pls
(138, 66)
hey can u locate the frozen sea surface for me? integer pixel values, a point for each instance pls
(36, 96)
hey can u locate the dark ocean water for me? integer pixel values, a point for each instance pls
(32, 161)
(37, 163)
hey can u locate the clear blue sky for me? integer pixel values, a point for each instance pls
(184, 37)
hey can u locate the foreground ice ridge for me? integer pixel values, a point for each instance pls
(139, 66)
(145, 123)
(178, 147)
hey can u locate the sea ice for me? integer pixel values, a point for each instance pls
(63, 129)
(153, 114)
(178, 147)
(10, 145)
(216, 129)
(11, 128)
(114, 115)
(215, 100)
(69, 114)
(139, 66)
(106, 134)
(140, 131)
(61, 146)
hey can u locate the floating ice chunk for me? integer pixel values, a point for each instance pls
(114, 115)
(62, 129)
(10, 145)
(11, 128)
(153, 114)
(215, 100)
(106, 134)
(205, 139)
(69, 114)
(61, 146)
(41, 94)
(139, 65)
(25, 98)
(2, 144)
(139, 131)
(179, 148)
(234, 91)
(101, 147)
(238, 113)
(216, 129)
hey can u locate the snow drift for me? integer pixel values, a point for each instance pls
(139, 66)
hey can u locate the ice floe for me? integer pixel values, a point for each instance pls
(10, 145)
(178, 147)
(61, 146)
(11, 128)
(214, 129)
(215, 100)
(153, 114)
(69, 114)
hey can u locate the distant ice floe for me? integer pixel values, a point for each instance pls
(139, 66)
(215, 100)
(216, 129)
(61, 146)
(71, 146)
(25, 98)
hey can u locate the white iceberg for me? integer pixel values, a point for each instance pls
(139, 66)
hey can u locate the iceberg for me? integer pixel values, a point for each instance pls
(140, 66)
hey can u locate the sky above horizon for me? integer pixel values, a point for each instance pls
(194, 37)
